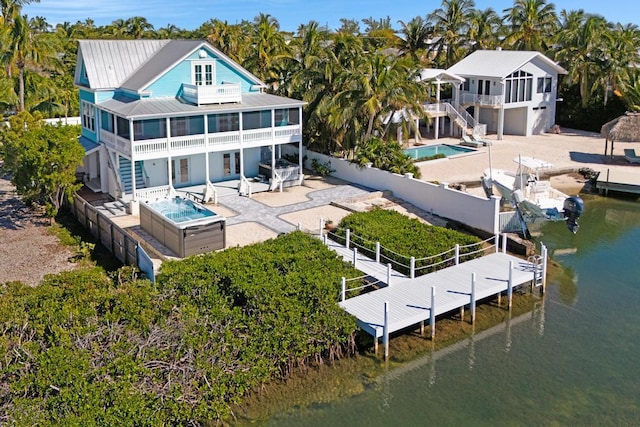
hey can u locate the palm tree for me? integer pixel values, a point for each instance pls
(629, 90)
(621, 55)
(485, 29)
(268, 46)
(379, 33)
(414, 39)
(581, 47)
(138, 27)
(531, 25)
(380, 86)
(451, 26)
(24, 50)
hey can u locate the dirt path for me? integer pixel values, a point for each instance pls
(27, 251)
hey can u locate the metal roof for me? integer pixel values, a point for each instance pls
(135, 64)
(439, 75)
(88, 145)
(108, 63)
(160, 62)
(499, 63)
(162, 107)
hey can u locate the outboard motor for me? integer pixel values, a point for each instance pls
(572, 209)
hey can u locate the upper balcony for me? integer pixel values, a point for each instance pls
(197, 144)
(212, 94)
(467, 98)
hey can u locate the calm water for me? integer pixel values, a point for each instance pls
(575, 360)
(432, 150)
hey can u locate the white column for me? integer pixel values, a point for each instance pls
(206, 148)
(133, 163)
(169, 160)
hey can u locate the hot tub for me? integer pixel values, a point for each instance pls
(184, 226)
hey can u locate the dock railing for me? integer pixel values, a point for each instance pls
(409, 265)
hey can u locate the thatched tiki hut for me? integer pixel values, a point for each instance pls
(625, 128)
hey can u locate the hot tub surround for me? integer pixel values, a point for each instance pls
(185, 227)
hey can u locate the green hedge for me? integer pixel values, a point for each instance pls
(401, 238)
(84, 348)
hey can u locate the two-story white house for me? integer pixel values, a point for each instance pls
(161, 115)
(511, 92)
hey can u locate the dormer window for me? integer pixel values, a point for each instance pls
(204, 73)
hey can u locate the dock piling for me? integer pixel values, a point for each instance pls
(378, 252)
(473, 298)
(504, 243)
(347, 238)
(457, 254)
(510, 285)
(388, 274)
(386, 330)
(355, 257)
(344, 288)
(432, 313)
(412, 267)
(320, 227)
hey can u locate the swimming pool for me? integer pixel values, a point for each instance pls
(182, 210)
(432, 150)
(185, 227)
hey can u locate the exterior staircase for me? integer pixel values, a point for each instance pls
(124, 170)
(461, 118)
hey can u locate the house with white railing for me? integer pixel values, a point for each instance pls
(160, 116)
(511, 92)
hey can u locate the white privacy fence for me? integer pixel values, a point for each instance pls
(474, 211)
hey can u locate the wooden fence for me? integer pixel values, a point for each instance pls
(123, 246)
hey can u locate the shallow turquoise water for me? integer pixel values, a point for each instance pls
(575, 360)
(432, 150)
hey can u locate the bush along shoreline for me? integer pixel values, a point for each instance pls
(84, 347)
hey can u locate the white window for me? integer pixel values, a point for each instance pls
(204, 73)
(88, 116)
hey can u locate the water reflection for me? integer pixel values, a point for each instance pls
(427, 363)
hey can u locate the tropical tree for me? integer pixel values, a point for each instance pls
(43, 160)
(629, 90)
(485, 28)
(414, 38)
(451, 26)
(531, 25)
(621, 56)
(383, 155)
(378, 33)
(267, 47)
(26, 50)
(138, 27)
(581, 44)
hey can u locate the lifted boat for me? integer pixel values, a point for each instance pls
(534, 198)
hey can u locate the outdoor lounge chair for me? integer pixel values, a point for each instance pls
(631, 156)
(466, 140)
(480, 140)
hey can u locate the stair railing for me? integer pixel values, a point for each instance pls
(116, 176)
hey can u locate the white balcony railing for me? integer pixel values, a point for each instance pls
(116, 142)
(489, 100)
(193, 144)
(212, 94)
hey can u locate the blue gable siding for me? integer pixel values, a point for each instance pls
(104, 96)
(170, 83)
(83, 75)
(89, 97)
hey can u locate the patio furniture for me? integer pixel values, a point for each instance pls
(466, 140)
(631, 156)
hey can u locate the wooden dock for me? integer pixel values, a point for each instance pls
(618, 180)
(407, 302)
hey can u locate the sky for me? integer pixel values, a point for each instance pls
(290, 14)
